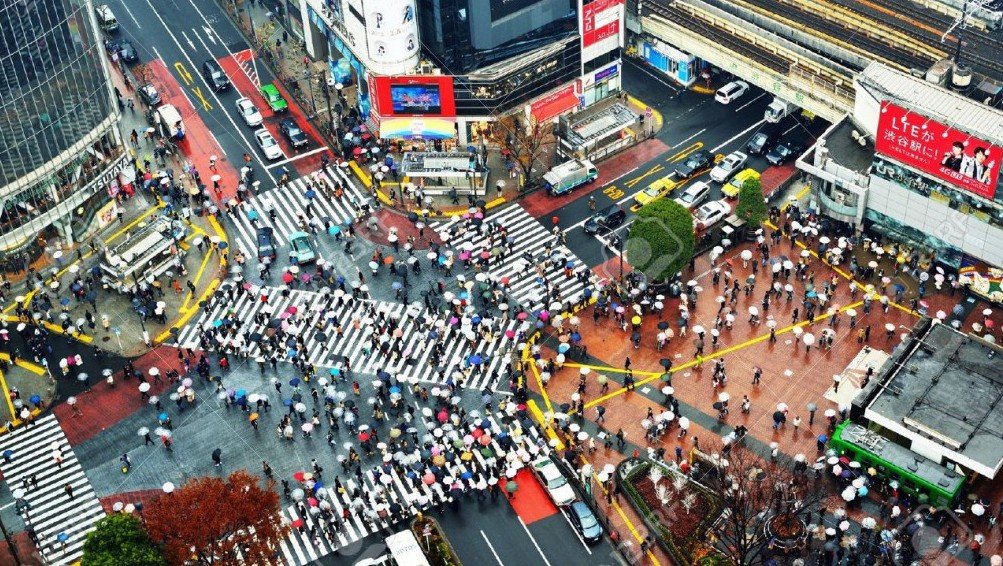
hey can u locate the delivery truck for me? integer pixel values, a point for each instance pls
(567, 176)
(778, 110)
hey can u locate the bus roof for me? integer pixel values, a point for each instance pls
(899, 456)
(405, 550)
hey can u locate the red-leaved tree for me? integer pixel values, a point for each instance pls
(218, 521)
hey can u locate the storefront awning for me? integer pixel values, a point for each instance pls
(554, 105)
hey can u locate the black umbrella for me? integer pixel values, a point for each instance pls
(217, 453)
(412, 216)
(665, 362)
(779, 417)
(320, 336)
(718, 406)
(663, 325)
(255, 337)
(275, 322)
(480, 203)
(349, 403)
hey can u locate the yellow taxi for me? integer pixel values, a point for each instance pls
(656, 190)
(731, 188)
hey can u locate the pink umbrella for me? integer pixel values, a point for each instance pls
(442, 416)
(428, 479)
(292, 309)
(510, 334)
(484, 440)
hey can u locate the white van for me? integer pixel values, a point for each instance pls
(405, 550)
(170, 123)
(106, 18)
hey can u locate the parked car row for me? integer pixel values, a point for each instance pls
(563, 495)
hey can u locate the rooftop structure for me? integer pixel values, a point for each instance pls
(941, 391)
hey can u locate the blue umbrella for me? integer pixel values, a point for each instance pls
(485, 424)
(310, 193)
(291, 353)
(252, 214)
(475, 359)
(564, 347)
(241, 393)
(335, 371)
(223, 245)
(466, 475)
(576, 337)
(334, 229)
(8, 453)
(294, 381)
(35, 399)
(62, 537)
(163, 416)
(317, 486)
(64, 301)
(217, 323)
(476, 319)
(288, 402)
(396, 285)
(395, 390)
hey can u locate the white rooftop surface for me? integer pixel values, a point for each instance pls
(936, 102)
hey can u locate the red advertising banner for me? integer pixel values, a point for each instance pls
(424, 95)
(600, 20)
(936, 149)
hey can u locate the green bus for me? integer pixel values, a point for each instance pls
(924, 479)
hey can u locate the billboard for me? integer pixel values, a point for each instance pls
(938, 150)
(413, 99)
(601, 27)
(502, 8)
(404, 96)
(391, 32)
(417, 128)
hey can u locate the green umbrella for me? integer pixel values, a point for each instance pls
(486, 452)
(666, 377)
(511, 486)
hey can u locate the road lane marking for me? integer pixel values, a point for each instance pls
(237, 130)
(744, 106)
(300, 156)
(128, 11)
(739, 134)
(197, 91)
(486, 541)
(630, 184)
(183, 72)
(687, 139)
(530, 535)
(574, 530)
(210, 27)
(693, 147)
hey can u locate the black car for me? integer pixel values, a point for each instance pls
(149, 95)
(215, 76)
(764, 140)
(266, 243)
(293, 133)
(126, 51)
(605, 221)
(694, 164)
(784, 153)
(585, 522)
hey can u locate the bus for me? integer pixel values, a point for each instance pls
(926, 480)
(404, 549)
(146, 254)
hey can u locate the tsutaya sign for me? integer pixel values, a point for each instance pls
(938, 150)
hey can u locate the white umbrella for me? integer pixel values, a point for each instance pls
(168, 487)
(698, 329)
(868, 523)
(746, 255)
(808, 339)
(978, 510)
(824, 239)
(144, 387)
(684, 423)
(723, 397)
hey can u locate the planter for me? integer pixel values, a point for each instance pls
(677, 510)
(786, 533)
(433, 542)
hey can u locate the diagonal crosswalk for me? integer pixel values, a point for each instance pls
(521, 256)
(289, 204)
(408, 349)
(371, 500)
(50, 510)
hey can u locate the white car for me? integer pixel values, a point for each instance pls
(731, 91)
(268, 145)
(554, 481)
(710, 214)
(694, 195)
(728, 166)
(249, 112)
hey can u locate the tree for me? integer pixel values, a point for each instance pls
(120, 540)
(661, 239)
(751, 205)
(765, 503)
(215, 521)
(526, 145)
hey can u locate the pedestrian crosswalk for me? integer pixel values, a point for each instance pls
(318, 314)
(60, 516)
(388, 497)
(283, 209)
(530, 272)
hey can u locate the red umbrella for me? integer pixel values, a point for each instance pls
(442, 416)
(298, 523)
(504, 280)
(287, 277)
(292, 310)
(363, 436)
(477, 433)
(298, 476)
(311, 501)
(485, 255)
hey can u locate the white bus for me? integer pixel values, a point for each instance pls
(145, 255)
(405, 550)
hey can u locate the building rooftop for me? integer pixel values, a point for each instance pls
(846, 150)
(586, 127)
(944, 390)
(934, 101)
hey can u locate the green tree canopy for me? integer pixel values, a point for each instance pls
(120, 540)
(661, 239)
(751, 204)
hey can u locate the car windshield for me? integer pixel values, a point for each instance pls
(267, 141)
(693, 162)
(704, 213)
(301, 245)
(688, 197)
(783, 150)
(588, 520)
(652, 191)
(556, 481)
(248, 109)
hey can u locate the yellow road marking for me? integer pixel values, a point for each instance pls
(183, 72)
(715, 354)
(197, 91)
(637, 179)
(685, 152)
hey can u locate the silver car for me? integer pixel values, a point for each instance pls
(268, 145)
(728, 166)
(249, 112)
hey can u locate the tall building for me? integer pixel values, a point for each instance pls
(59, 140)
(475, 60)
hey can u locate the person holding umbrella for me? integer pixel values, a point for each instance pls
(217, 457)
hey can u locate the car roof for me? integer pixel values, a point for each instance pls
(244, 101)
(298, 234)
(269, 88)
(698, 186)
(262, 133)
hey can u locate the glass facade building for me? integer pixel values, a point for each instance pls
(58, 123)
